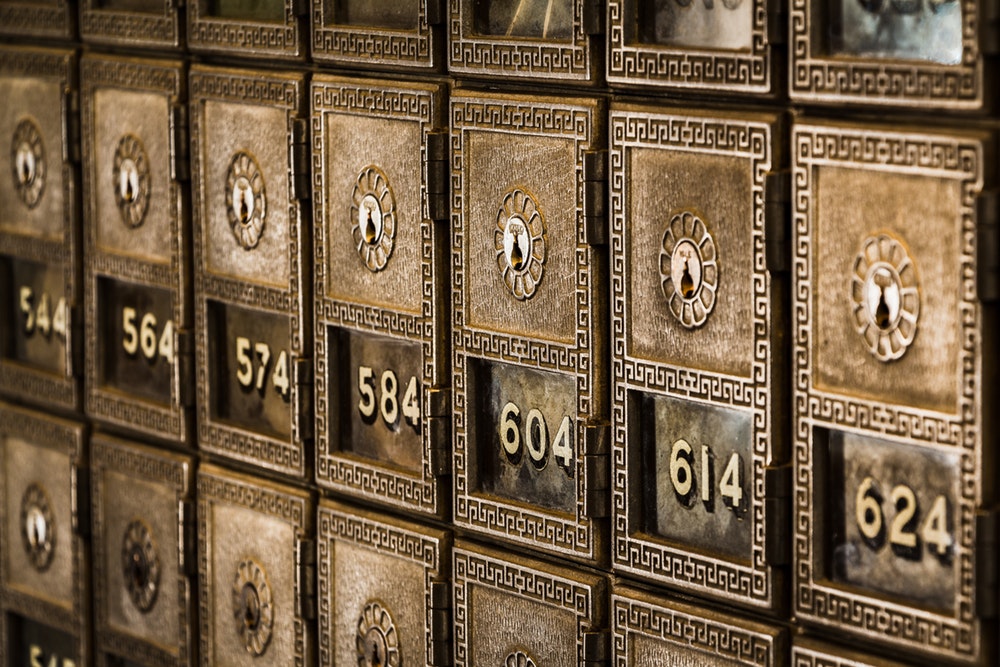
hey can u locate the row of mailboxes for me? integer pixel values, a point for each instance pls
(771, 412)
(220, 568)
(937, 53)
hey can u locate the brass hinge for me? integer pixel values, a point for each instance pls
(179, 147)
(80, 499)
(305, 568)
(75, 351)
(597, 476)
(777, 514)
(435, 12)
(593, 17)
(595, 197)
(989, 27)
(437, 175)
(596, 648)
(440, 646)
(987, 555)
(988, 246)
(440, 449)
(187, 525)
(301, 156)
(184, 359)
(300, 7)
(777, 221)
(302, 377)
(71, 125)
(777, 21)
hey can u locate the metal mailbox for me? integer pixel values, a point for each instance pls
(139, 316)
(51, 19)
(44, 560)
(383, 591)
(248, 28)
(895, 266)
(934, 54)
(384, 34)
(698, 273)
(39, 229)
(813, 653)
(256, 573)
(381, 252)
(539, 40)
(732, 47)
(529, 303)
(652, 630)
(144, 553)
(252, 267)
(135, 23)
(519, 612)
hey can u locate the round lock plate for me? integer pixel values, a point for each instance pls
(373, 218)
(27, 162)
(885, 296)
(520, 243)
(131, 180)
(37, 527)
(377, 641)
(246, 200)
(689, 269)
(519, 659)
(140, 565)
(253, 607)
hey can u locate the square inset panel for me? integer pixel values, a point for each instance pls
(248, 28)
(135, 23)
(379, 34)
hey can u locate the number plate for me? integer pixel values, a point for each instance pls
(252, 323)
(44, 565)
(697, 366)
(254, 547)
(889, 399)
(247, 28)
(135, 23)
(650, 630)
(139, 316)
(529, 306)
(913, 54)
(538, 40)
(384, 596)
(380, 34)
(143, 546)
(54, 19)
(381, 261)
(518, 611)
(694, 45)
(39, 250)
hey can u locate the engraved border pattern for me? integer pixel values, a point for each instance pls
(647, 557)
(368, 479)
(726, 70)
(131, 28)
(109, 405)
(249, 38)
(372, 46)
(821, 77)
(952, 634)
(578, 535)
(30, 19)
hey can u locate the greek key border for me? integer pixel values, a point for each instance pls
(131, 28)
(955, 634)
(247, 38)
(375, 47)
(24, 19)
(753, 581)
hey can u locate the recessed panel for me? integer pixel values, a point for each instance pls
(248, 28)
(378, 34)
(38, 18)
(37, 307)
(135, 23)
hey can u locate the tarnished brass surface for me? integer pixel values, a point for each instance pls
(150, 24)
(813, 653)
(379, 34)
(142, 541)
(38, 18)
(262, 29)
(44, 560)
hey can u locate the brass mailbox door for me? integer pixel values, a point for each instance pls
(379, 34)
(537, 40)
(263, 29)
(134, 23)
(911, 54)
(252, 268)
(652, 630)
(529, 306)
(698, 220)
(139, 316)
(44, 565)
(381, 291)
(54, 19)
(39, 229)
(143, 548)
(383, 590)
(893, 487)
(813, 653)
(519, 612)
(727, 47)
(256, 571)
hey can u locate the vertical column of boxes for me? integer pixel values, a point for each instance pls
(381, 252)
(894, 476)
(44, 557)
(248, 28)
(145, 24)
(40, 229)
(139, 315)
(529, 305)
(252, 268)
(700, 494)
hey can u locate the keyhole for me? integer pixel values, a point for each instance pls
(369, 225)
(687, 282)
(251, 607)
(138, 570)
(516, 254)
(882, 318)
(376, 659)
(26, 165)
(36, 527)
(244, 209)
